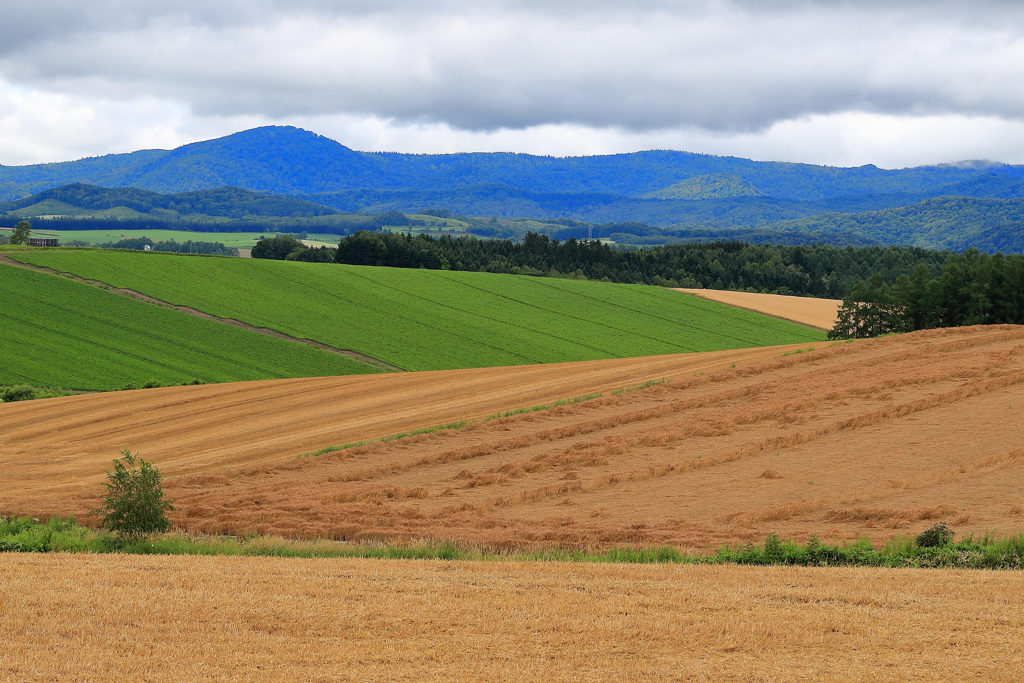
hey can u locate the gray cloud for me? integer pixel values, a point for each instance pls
(724, 66)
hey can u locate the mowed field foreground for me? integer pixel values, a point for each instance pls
(870, 438)
(146, 618)
(57, 448)
(820, 313)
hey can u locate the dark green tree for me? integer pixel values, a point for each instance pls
(21, 232)
(277, 248)
(134, 504)
(918, 294)
(362, 248)
(870, 310)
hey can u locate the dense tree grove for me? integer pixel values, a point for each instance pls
(288, 248)
(820, 271)
(277, 248)
(973, 288)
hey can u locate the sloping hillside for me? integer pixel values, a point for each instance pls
(431, 319)
(58, 333)
(232, 202)
(950, 223)
(869, 438)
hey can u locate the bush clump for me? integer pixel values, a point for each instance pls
(22, 392)
(938, 536)
(134, 505)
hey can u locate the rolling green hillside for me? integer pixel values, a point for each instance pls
(230, 202)
(58, 333)
(434, 320)
(953, 223)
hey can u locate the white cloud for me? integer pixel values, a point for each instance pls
(826, 81)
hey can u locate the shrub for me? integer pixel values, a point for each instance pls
(18, 393)
(936, 537)
(134, 505)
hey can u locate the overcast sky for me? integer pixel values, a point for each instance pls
(894, 83)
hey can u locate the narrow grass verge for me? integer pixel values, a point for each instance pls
(543, 406)
(462, 423)
(25, 534)
(384, 439)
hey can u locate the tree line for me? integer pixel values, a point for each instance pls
(186, 247)
(816, 270)
(973, 288)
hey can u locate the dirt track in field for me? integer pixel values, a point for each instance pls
(869, 438)
(138, 618)
(820, 313)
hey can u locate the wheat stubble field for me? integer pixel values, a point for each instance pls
(868, 438)
(146, 618)
(820, 313)
(872, 438)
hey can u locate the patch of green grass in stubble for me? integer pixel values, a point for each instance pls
(462, 423)
(384, 439)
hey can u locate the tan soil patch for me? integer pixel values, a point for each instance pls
(820, 313)
(136, 618)
(871, 438)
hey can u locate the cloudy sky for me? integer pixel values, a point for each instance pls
(891, 82)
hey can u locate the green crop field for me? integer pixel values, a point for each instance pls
(59, 333)
(434, 320)
(238, 240)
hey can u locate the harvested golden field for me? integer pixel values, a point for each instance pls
(820, 313)
(869, 438)
(62, 446)
(150, 618)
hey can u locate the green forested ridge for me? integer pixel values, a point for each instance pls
(686, 196)
(953, 223)
(714, 186)
(288, 160)
(820, 271)
(431, 320)
(64, 334)
(229, 202)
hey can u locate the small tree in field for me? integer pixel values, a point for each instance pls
(21, 232)
(134, 505)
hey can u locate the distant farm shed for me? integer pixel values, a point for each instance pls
(43, 242)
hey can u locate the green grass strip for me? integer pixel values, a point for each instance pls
(543, 406)
(25, 534)
(462, 423)
(384, 439)
(641, 387)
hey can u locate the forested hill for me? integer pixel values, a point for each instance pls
(231, 202)
(949, 223)
(286, 160)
